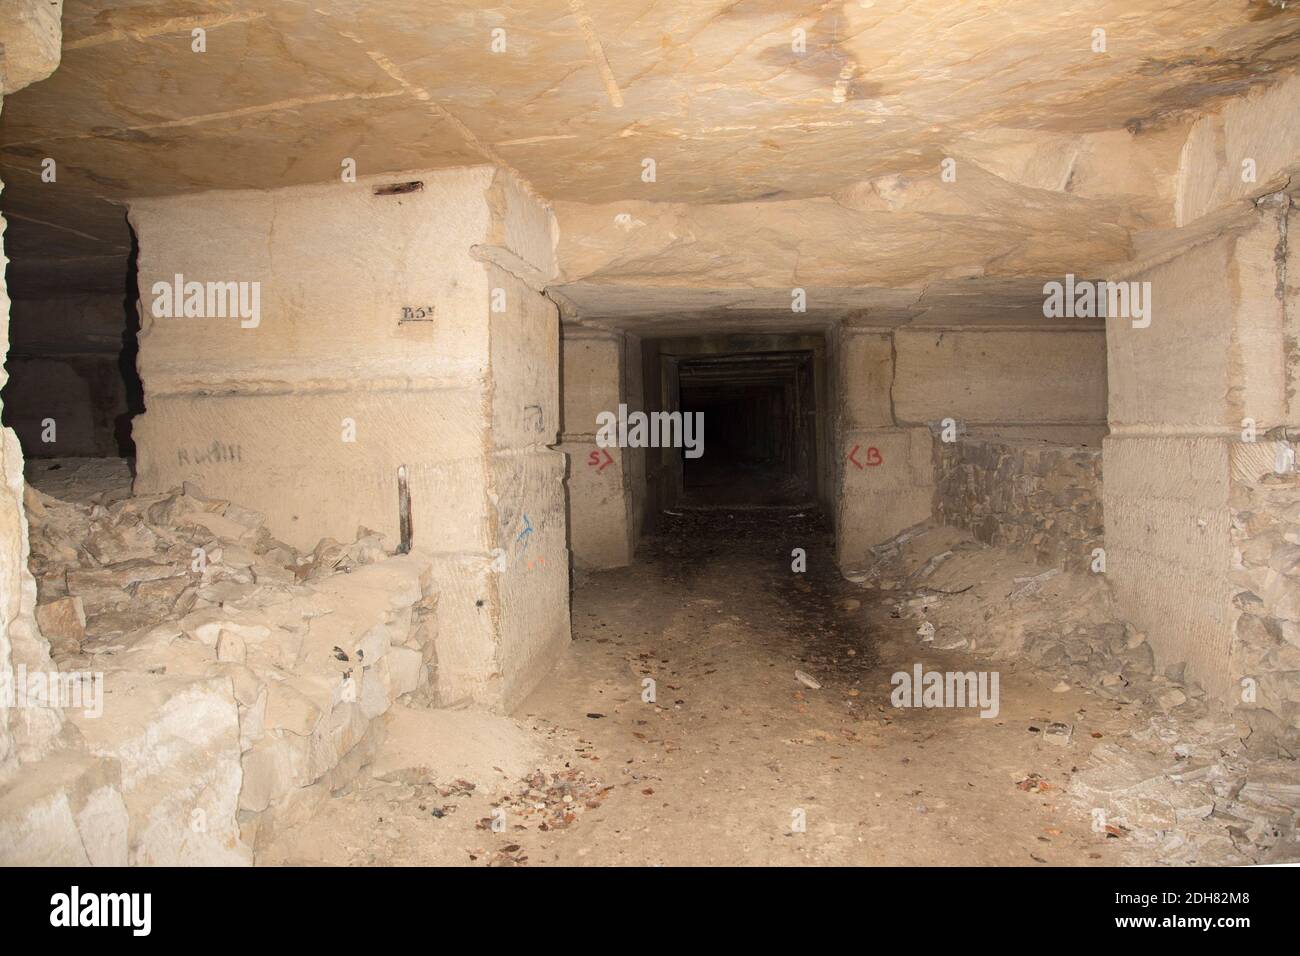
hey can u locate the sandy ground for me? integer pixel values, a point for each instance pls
(735, 751)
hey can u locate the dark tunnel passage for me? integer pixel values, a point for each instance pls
(759, 424)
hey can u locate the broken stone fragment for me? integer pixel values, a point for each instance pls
(69, 814)
(206, 626)
(374, 644)
(221, 594)
(807, 680)
(405, 667)
(231, 647)
(267, 572)
(122, 542)
(1169, 698)
(233, 555)
(273, 767)
(288, 708)
(1058, 733)
(177, 742)
(376, 689)
(218, 525)
(62, 619)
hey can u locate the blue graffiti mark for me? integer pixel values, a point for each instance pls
(528, 529)
(524, 537)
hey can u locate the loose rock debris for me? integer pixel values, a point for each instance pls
(110, 567)
(807, 680)
(550, 801)
(1183, 788)
(1189, 797)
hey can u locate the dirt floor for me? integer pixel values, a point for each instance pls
(710, 484)
(735, 751)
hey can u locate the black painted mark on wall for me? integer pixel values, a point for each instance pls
(416, 313)
(217, 452)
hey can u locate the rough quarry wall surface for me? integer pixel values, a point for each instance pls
(73, 812)
(1217, 363)
(397, 329)
(1265, 533)
(26, 732)
(261, 414)
(1262, 129)
(895, 385)
(1030, 496)
(30, 46)
(1168, 548)
(602, 524)
(219, 701)
(885, 475)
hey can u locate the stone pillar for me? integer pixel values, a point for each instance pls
(601, 523)
(399, 322)
(1194, 539)
(885, 471)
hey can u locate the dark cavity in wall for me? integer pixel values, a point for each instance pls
(73, 386)
(759, 445)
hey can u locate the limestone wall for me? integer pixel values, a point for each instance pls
(1036, 497)
(602, 511)
(404, 328)
(896, 385)
(1188, 393)
(986, 378)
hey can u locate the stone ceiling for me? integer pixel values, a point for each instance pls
(773, 167)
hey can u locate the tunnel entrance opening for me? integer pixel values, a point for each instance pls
(759, 413)
(74, 387)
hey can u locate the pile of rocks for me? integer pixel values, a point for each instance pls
(993, 601)
(1183, 789)
(242, 681)
(106, 569)
(1265, 530)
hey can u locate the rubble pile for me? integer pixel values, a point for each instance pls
(1184, 787)
(966, 596)
(242, 681)
(969, 596)
(1265, 530)
(105, 569)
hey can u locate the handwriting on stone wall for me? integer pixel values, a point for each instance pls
(216, 453)
(416, 313)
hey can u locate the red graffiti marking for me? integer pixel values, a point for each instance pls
(594, 459)
(873, 457)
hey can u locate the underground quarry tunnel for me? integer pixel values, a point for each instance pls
(632, 433)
